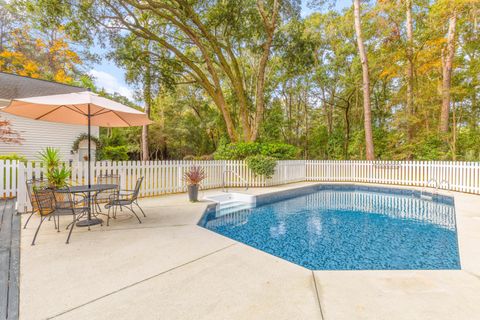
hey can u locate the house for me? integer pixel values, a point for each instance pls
(36, 134)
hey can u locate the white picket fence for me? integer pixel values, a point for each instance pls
(160, 177)
(448, 175)
(163, 177)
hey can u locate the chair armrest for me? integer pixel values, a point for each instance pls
(119, 195)
(126, 191)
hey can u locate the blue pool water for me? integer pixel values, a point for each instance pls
(348, 228)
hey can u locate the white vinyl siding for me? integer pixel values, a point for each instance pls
(37, 135)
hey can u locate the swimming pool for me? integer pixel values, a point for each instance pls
(347, 227)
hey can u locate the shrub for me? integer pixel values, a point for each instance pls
(236, 151)
(279, 151)
(84, 136)
(189, 157)
(13, 156)
(118, 153)
(242, 150)
(205, 157)
(262, 165)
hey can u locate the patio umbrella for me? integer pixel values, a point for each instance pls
(83, 108)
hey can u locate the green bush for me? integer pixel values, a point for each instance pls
(205, 157)
(242, 150)
(262, 165)
(13, 156)
(189, 157)
(279, 151)
(118, 153)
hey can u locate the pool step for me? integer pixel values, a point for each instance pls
(229, 202)
(228, 207)
(225, 197)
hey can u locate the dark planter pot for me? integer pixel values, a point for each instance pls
(193, 192)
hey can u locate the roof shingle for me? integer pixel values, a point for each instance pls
(16, 87)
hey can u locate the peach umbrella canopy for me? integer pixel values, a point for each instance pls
(74, 108)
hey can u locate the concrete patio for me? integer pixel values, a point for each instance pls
(170, 268)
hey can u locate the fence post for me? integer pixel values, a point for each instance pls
(179, 166)
(21, 188)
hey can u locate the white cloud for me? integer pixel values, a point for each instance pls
(110, 84)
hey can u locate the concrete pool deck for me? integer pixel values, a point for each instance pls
(170, 268)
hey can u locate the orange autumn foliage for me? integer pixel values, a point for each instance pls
(46, 56)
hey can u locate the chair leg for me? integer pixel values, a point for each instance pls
(71, 229)
(133, 211)
(57, 225)
(68, 226)
(31, 214)
(42, 218)
(140, 209)
(108, 216)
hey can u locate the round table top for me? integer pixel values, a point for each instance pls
(86, 188)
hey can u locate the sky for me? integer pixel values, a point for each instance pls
(112, 78)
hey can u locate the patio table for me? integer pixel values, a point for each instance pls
(88, 190)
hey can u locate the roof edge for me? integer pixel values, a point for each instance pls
(44, 80)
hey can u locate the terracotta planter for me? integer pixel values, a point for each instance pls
(193, 192)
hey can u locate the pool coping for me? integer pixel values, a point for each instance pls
(288, 194)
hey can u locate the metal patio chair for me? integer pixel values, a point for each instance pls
(44, 202)
(125, 199)
(105, 196)
(65, 204)
(31, 185)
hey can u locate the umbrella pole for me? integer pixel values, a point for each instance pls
(89, 156)
(89, 222)
(89, 151)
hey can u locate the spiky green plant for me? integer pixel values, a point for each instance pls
(50, 158)
(58, 177)
(56, 174)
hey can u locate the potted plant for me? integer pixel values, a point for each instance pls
(57, 175)
(193, 177)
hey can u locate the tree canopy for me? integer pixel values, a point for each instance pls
(210, 72)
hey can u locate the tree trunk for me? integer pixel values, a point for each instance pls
(269, 25)
(454, 134)
(410, 67)
(147, 97)
(370, 154)
(329, 107)
(347, 129)
(447, 73)
(260, 98)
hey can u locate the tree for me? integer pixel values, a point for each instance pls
(208, 41)
(367, 114)
(7, 134)
(269, 21)
(447, 65)
(410, 67)
(147, 97)
(200, 65)
(45, 52)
